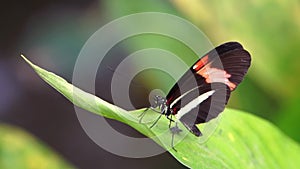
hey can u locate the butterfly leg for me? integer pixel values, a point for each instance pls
(170, 121)
(141, 116)
(156, 120)
(159, 102)
(174, 130)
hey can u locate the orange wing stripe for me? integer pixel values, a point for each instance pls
(213, 75)
(201, 63)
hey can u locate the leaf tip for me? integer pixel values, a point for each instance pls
(26, 60)
(23, 56)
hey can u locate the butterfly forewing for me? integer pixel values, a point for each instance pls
(230, 58)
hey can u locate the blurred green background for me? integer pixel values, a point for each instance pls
(51, 34)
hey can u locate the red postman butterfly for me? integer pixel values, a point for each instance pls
(203, 91)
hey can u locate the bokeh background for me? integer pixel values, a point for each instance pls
(36, 121)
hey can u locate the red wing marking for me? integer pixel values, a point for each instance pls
(231, 85)
(169, 100)
(213, 75)
(174, 111)
(202, 62)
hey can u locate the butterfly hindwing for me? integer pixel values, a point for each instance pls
(207, 109)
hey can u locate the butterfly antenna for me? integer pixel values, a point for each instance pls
(172, 142)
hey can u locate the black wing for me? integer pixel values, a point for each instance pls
(221, 70)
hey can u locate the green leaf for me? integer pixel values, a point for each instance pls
(241, 140)
(18, 150)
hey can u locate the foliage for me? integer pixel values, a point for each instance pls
(18, 149)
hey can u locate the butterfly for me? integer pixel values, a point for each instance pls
(201, 94)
